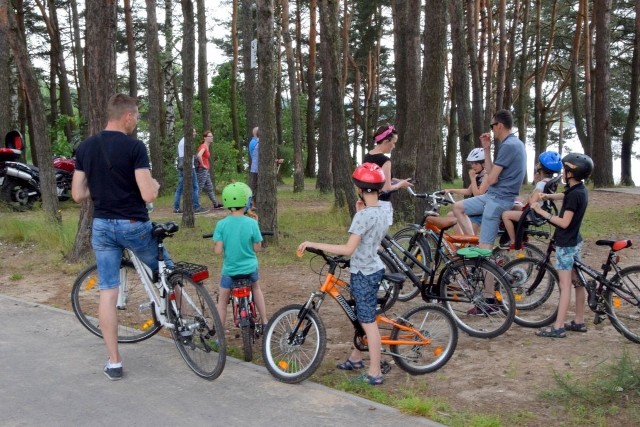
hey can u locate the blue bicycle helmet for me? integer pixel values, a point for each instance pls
(550, 160)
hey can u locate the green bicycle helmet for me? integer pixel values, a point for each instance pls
(236, 195)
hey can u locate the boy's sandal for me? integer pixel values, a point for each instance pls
(368, 379)
(349, 365)
(552, 333)
(575, 327)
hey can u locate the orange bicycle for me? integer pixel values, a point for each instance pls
(420, 341)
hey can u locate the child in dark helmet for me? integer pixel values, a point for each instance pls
(577, 167)
(367, 229)
(238, 238)
(549, 163)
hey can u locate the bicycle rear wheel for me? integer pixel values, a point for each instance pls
(462, 284)
(294, 357)
(625, 315)
(436, 324)
(198, 331)
(538, 307)
(135, 314)
(416, 246)
(503, 256)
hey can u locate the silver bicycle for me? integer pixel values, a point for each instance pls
(174, 298)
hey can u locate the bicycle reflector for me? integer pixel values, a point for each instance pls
(196, 272)
(241, 292)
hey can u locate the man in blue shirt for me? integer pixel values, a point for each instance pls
(502, 184)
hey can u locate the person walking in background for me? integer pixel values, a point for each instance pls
(385, 139)
(113, 169)
(253, 157)
(203, 166)
(197, 209)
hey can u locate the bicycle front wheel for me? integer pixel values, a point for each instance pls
(430, 353)
(135, 314)
(623, 303)
(198, 331)
(294, 344)
(462, 289)
(536, 290)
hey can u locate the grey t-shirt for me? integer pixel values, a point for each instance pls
(371, 225)
(512, 157)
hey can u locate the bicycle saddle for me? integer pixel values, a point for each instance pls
(615, 245)
(164, 230)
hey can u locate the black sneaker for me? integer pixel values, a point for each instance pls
(200, 211)
(113, 374)
(178, 211)
(218, 206)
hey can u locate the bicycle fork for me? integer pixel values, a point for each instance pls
(313, 303)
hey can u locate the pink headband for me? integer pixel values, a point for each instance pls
(384, 134)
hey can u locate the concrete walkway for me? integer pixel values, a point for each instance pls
(51, 375)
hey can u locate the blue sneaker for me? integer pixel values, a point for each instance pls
(113, 374)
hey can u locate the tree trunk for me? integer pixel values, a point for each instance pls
(332, 74)
(203, 78)
(474, 66)
(298, 172)
(588, 98)
(267, 200)
(632, 119)
(156, 97)
(602, 157)
(432, 98)
(298, 49)
(324, 179)
(523, 85)
(511, 58)
(188, 66)
(101, 72)
(248, 34)
(460, 80)
(6, 107)
(406, 29)
(577, 104)
(131, 53)
(80, 72)
(233, 90)
(170, 90)
(310, 165)
(502, 54)
(10, 31)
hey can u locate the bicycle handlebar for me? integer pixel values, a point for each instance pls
(439, 196)
(327, 258)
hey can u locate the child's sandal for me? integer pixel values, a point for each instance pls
(552, 333)
(575, 327)
(349, 365)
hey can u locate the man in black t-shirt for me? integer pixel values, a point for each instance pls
(113, 169)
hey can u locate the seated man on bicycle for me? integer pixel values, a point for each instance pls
(113, 169)
(238, 238)
(577, 168)
(367, 229)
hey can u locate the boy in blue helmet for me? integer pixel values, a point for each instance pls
(549, 163)
(568, 241)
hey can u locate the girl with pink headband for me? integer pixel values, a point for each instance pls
(385, 138)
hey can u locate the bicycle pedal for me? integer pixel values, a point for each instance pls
(598, 318)
(385, 367)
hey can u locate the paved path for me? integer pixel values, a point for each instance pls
(51, 374)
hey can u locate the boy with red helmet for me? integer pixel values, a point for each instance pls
(367, 229)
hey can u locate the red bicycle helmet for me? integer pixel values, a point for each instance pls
(368, 177)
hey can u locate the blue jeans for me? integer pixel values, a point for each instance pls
(110, 236)
(195, 194)
(490, 208)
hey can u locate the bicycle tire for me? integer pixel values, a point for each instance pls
(504, 256)
(434, 322)
(247, 343)
(296, 361)
(541, 307)
(198, 331)
(418, 249)
(462, 289)
(134, 324)
(388, 291)
(625, 316)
